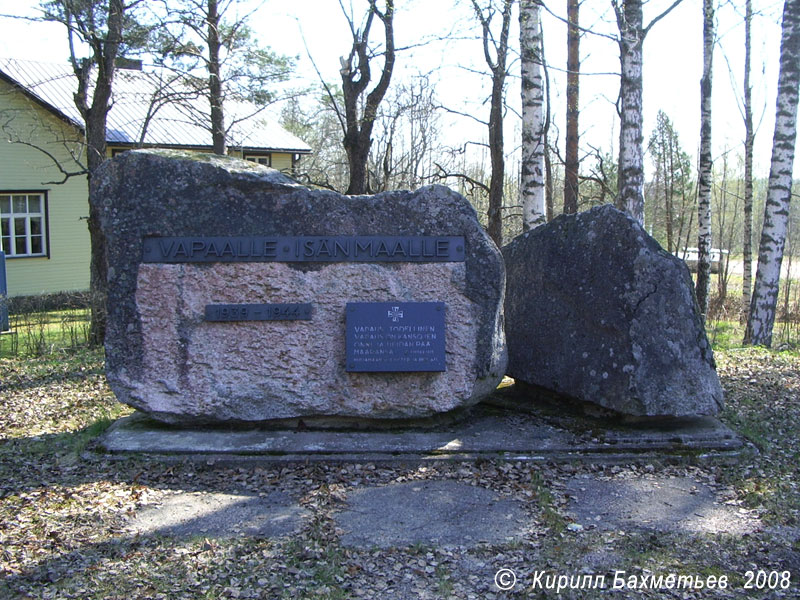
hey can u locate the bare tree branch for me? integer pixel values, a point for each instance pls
(443, 173)
(659, 17)
(461, 114)
(582, 29)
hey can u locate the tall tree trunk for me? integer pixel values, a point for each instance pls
(573, 109)
(704, 179)
(632, 33)
(357, 163)
(533, 139)
(548, 164)
(356, 73)
(94, 115)
(630, 197)
(218, 141)
(747, 244)
(720, 213)
(776, 211)
(669, 191)
(548, 185)
(497, 158)
(497, 66)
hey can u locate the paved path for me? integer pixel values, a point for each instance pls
(450, 513)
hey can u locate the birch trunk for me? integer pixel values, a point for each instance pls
(747, 249)
(573, 109)
(776, 211)
(532, 186)
(631, 158)
(704, 179)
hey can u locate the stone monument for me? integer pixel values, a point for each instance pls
(239, 296)
(597, 310)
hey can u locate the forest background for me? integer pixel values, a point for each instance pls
(431, 127)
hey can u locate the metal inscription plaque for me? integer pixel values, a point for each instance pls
(395, 336)
(257, 312)
(306, 248)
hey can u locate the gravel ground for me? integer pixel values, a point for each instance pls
(72, 527)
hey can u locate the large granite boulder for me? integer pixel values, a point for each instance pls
(597, 310)
(166, 356)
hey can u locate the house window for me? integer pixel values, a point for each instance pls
(23, 224)
(262, 159)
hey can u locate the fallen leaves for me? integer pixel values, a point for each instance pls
(63, 517)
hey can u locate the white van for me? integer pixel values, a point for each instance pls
(690, 257)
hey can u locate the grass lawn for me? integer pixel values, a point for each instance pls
(63, 510)
(45, 332)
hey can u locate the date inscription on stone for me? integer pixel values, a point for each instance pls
(395, 336)
(257, 312)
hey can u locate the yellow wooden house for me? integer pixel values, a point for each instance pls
(43, 205)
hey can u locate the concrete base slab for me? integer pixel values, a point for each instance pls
(445, 513)
(656, 502)
(220, 515)
(511, 427)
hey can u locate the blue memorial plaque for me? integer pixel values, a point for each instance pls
(395, 336)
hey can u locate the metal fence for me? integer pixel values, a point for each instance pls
(3, 294)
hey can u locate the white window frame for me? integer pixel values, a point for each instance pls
(11, 218)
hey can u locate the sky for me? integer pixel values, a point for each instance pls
(672, 62)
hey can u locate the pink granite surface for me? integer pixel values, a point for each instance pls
(262, 370)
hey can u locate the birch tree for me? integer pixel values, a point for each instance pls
(632, 33)
(532, 185)
(704, 176)
(747, 243)
(776, 210)
(573, 108)
(495, 52)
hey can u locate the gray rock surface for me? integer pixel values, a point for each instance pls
(597, 310)
(164, 359)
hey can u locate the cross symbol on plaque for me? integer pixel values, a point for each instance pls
(395, 313)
